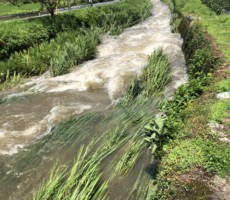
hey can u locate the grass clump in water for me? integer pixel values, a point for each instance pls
(154, 78)
(156, 73)
(82, 183)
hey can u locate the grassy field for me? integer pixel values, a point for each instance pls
(6, 9)
(218, 26)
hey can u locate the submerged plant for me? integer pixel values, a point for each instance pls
(128, 160)
(82, 183)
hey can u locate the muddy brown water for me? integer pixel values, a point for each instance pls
(29, 112)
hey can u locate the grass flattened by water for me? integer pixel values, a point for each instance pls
(128, 160)
(83, 182)
(131, 120)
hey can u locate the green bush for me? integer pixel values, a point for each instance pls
(67, 50)
(19, 35)
(194, 39)
(201, 63)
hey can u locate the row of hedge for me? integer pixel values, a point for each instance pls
(38, 58)
(22, 34)
(219, 6)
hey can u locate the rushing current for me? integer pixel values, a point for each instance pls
(31, 110)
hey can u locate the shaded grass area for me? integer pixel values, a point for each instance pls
(194, 152)
(219, 6)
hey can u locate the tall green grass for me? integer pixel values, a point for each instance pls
(19, 35)
(157, 73)
(67, 50)
(82, 182)
(155, 76)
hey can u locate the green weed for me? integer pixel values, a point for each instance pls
(220, 110)
(183, 156)
(223, 85)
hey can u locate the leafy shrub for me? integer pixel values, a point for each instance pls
(201, 63)
(67, 50)
(19, 35)
(194, 39)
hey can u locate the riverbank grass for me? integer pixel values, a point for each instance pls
(197, 152)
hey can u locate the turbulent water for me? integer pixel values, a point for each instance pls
(29, 112)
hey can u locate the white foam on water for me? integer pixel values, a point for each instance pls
(43, 126)
(12, 149)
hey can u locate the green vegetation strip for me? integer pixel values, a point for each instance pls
(188, 144)
(16, 36)
(7, 8)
